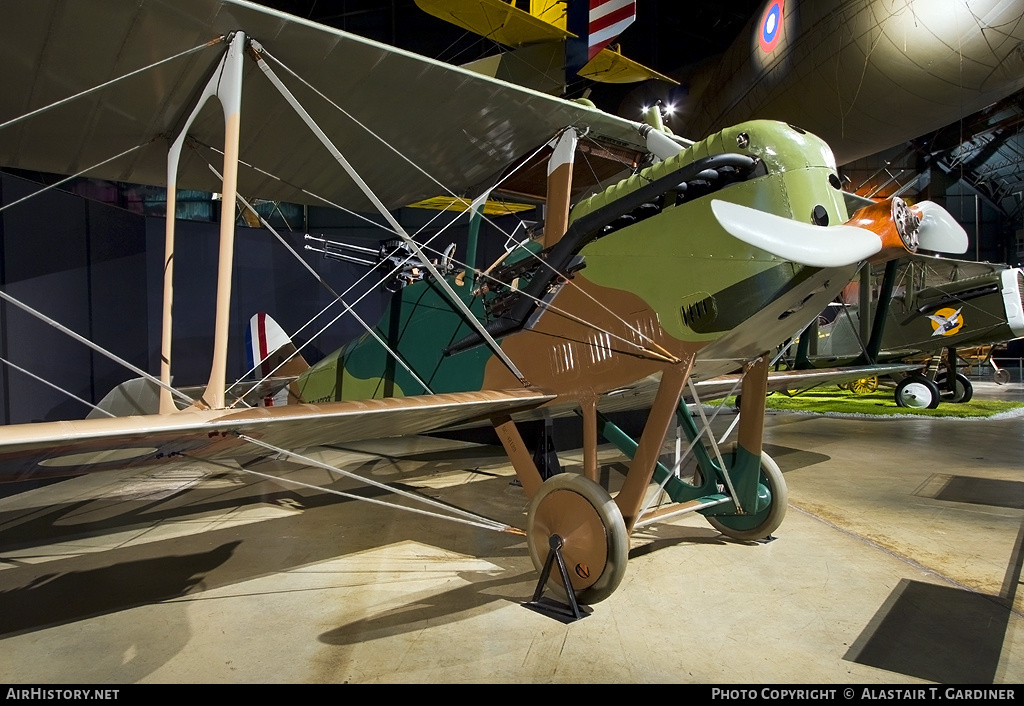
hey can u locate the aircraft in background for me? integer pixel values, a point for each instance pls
(704, 258)
(919, 307)
(550, 42)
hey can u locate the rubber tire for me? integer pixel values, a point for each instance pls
(963, 389)
(609, 516)
(768, 519)
(911, 393)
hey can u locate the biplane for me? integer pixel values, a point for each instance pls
(680, 263)
(922, 307)
(549, 42)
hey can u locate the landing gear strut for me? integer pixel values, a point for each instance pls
(773, 492)
(573, 523)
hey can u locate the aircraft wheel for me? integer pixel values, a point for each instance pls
(763, 523)
(864, 386)
(595, 543)
(1002, 376)
(917, 392)
(962, 392)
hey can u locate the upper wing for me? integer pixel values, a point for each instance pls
(458, 126)
(66, 448)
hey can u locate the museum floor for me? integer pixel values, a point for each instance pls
(899, 561)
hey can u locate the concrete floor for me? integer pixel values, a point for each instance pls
(899, 562)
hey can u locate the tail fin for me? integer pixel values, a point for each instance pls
(596, 24)
(270, 351)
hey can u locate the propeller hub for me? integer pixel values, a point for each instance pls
(908, 225)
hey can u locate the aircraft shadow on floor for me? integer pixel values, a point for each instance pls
(35, 594)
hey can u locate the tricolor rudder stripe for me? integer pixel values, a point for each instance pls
(607, 20)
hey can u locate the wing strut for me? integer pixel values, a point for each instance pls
(455, 299)
(556, 217)
(226, 85)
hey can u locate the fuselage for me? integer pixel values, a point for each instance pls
(657, 284)
(926, 315)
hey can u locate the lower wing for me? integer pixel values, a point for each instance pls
(52, 449)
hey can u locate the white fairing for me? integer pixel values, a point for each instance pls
(1012, 301)
(939, 231)
(802, 243)
(661, 145)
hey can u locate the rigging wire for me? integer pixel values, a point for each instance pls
(395, 270)
(353, 174)
(111, 82)
(263, 51)
(74, 176)
(465, 516)
(664, 355)
(96, 347)
(338, 298)
(562, 312)
(56, 387)
(347, 308)
(340, 109)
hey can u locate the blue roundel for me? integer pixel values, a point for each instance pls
(771, 26)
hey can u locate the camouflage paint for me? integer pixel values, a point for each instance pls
(641, 278)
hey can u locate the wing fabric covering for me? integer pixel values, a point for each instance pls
(68, 448)
(467, 128)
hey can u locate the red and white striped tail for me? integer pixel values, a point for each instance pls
(265, 336)
(607, 20)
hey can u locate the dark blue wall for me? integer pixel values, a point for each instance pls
(97, 269)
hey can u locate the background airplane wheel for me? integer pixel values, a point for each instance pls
(596, 545)
(917, 392)
(1002, 376)
(864, 386)
(763, 523)
(963, 390)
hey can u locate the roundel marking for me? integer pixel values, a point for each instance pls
(946, 322)
(771, 26)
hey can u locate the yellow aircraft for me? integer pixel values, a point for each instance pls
(550, 42)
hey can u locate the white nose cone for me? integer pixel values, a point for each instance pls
(802, 243)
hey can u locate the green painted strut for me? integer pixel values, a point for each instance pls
(744, 469)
